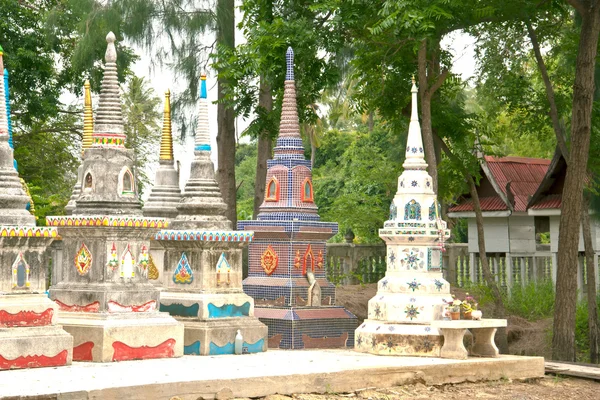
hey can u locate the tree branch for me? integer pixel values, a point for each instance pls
(438, 82)
(556, 123)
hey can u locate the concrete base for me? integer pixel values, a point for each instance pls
(217, 336)
(308, 327)
(32, 347)
(387, 338)
(29, 336)
(256, 375)
(105, 337)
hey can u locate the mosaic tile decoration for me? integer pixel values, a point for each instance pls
(104, 220)
(183, 272)
(206, 236)
(83, 260)
(287, 256)
(28, 231)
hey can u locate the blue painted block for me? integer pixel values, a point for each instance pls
(180, 310)
(255, 347)
(192, 349)
(228, 310)
(217, 350)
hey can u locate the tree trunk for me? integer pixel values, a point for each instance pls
(225, 115)
(563, 341)
(426, 131)
(591, 280)
(264, 147)
(499, 311)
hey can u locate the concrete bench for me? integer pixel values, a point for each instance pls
(483, 337)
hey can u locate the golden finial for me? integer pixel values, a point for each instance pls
(413, 79)
(166, 141)
(88, 118)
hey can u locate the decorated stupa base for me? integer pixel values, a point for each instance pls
(287, 259)
(292, 295)
(203, 290)
(413, 292)
(106, 302)
(29, 334)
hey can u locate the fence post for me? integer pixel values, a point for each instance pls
(580, 266)
(509, 273)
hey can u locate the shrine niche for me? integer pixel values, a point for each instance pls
(272, 192)
(88, 182)
(223, 270)
(20, 273)
(307, 190)
(127, 182)
(412, 210)
(127, 263)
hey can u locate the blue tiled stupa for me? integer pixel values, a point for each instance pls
(287, 257)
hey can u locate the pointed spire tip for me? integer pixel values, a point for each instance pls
(289, 58)
(111, 38)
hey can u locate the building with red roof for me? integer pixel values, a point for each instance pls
(504, 191)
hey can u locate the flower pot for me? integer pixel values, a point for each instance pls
(476, 314)
(467, 315)
(455, 315)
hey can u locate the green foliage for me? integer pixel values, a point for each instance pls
(141, 116)
(355, 177)
(582, 333)
(245, 174)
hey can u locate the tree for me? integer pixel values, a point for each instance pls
(256, 69)
(51, 46)
(141, 116)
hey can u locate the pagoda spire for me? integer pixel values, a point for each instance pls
(289, 142)
(7, 93)
(166, 140)
(202, 130)
(88, 117)
(108, 129)
(415, 156)
(4, 134)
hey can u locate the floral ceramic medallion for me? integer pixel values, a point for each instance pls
(269, 260)
(113, 259)
(152, 270)
(183, 273)
(143, 260)
(83, 260)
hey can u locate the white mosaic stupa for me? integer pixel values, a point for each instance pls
(413, 291)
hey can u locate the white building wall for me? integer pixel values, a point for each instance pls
(554, 229)
(496, 235)
(521, 234)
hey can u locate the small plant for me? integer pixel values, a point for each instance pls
(469, 304)
(454, 305)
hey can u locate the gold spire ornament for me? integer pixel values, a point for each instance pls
(88, 118)
(166, 140)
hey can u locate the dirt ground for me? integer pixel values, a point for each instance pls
(525, 338)
(548, 388)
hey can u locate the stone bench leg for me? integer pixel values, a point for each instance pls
(483, 342)
(453, 344)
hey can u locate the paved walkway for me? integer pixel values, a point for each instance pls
(276, 371)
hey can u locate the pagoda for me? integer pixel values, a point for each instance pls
(29, 335)
(202, 263)
(287, 258)
(105, 299)
(413, 292)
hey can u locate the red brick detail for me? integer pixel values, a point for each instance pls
(92, 307)
(113, 306)
(83, 352)
(124, 352)
(274, 341)
(324, 342)
(25, 318)
(34, 361)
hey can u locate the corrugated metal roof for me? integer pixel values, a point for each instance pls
(552, 201)
(487, 204)
(524, 175)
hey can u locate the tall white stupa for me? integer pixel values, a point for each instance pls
(413, 291)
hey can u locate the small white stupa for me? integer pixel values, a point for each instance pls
(413, 292)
